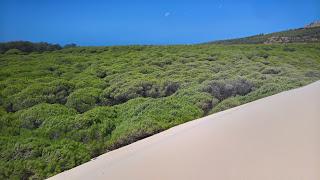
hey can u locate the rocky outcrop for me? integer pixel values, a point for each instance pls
(277, 39)
(292, 39)
(313, 24)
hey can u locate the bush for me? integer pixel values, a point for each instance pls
(54, 92)
(64, 155)
(94, 125)
(263, 54)
(10, 124)
(85, 80)
(26, 46)
(13, 52)
(101, 73)
(97, 115)
(28, 148)
(265, 90)
(58, 126)
(162, 62)
(289, 49)
(35, 116)
(15, 170)
(170, 88)
(212, 58)
(147, 89)
(224, 89)
(129, 132)
(271, 71)
(311, 74)
(84, 99)
(150, 89)
(226, 104)
(141, 118)
(202, 100)
(119, 94)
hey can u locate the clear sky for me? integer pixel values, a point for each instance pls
(122, 22)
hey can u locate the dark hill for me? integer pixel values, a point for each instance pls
(301, 35)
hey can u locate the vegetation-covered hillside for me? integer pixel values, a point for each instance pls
(22, 47)
(59, 109)
(301, 35)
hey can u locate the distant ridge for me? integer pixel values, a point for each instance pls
(308, 34)
(313, 24)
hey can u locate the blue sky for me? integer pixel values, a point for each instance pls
(122, 22)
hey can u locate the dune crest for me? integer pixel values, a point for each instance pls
(274, 138)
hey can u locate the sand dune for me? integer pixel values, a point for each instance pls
(274, 138)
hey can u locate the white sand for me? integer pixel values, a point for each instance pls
(274, 138)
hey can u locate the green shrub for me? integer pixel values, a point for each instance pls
(96, 115)
(37, 115)
(19, 169)
(224, 89)
(146, 89)
(54, 92)
(119, 94)
(64, 155)
(12, 89)
(265, 90)
(85, 80)
(94, 125)
(289, 49)
(9, 124)
(129, 132)
(202, 100)
(271, 71)
(162, 62)
(84, 99)
(28, 47)
(170, 88)
(29, 148)
(57, 127)
(141, 118)
(226, 104)
(312, 74)
(13, 52)
(263, 54)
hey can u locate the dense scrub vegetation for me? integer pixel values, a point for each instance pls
(21, 47)
(61, 108)
(301, 35)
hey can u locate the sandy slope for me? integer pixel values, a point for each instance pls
(275, 138)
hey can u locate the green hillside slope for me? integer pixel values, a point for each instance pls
(59, 109)
(302, 35)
